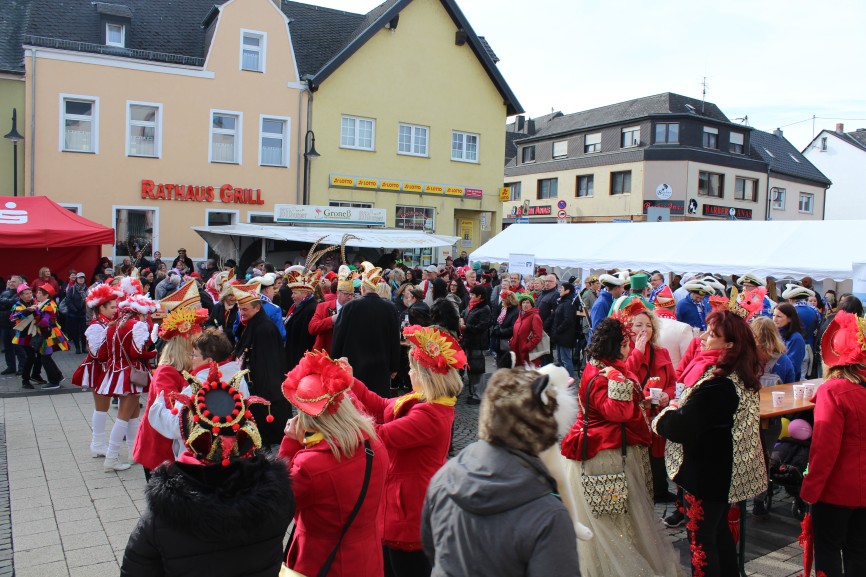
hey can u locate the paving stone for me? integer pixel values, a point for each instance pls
(111, 569)
(37, 540)
(33, 514)
(55, 569)
(120, 514)
(74, 527)
(78, 514)
(34, 527)
(40, 556)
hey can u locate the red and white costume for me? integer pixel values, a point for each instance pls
(126, 343)
(91, 371)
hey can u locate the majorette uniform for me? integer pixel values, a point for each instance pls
(126, 341)
(91, 371)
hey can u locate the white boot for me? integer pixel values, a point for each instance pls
(115, 440)
(97, 443)
(131, 433)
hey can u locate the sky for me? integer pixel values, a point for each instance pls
(779, 63)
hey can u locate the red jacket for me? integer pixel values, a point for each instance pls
(837, 467)
(528, 323)
(417, 438)
(322, 324)
(326, 491)
(605, 416)
(662, 367)
(152, 449)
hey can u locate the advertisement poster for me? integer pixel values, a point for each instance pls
(522, 264)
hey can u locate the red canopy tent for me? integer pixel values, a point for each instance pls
(36, 231)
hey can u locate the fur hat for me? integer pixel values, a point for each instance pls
(618, 279)
(266, 280)
(137, 303)
(795, 292)
(523, 410)
(752, 278)
(344, 279)
(714, 282)
(699, 286)
(101, 294)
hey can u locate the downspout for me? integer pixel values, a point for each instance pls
(32, 121)
(767, 209)
(300, 149)
(306, 198)
(824, 204)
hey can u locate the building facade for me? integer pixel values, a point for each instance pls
(842, 157)
(656, 158)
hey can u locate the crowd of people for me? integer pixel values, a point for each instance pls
(325, 393)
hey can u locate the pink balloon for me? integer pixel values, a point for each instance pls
(800, 429)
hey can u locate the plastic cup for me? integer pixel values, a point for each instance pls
(809, 391)
(655, 395)
(778, 398)
(679, 390)
(799, 392)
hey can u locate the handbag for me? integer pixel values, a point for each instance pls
(285, 571)
(542, 348)
(604, 494)
(504, 346)
(137, 377)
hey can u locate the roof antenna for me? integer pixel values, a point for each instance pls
(703, 93)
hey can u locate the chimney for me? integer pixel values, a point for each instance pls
(840, 127)
(530, 127)
(520, 124)
(778, 133)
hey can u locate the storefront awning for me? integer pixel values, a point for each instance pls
(222, 238)
(824, 249)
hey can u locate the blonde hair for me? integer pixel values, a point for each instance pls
(177, 353)
(767, 337)
(433, 385)
(511, 299)
(383, 289)
(853, 373)
(654, 322)
(343, 430)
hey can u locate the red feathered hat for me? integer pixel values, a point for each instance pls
(844, 342)
(317, 383)
(101, 294)
(434, 349)
(665, 299)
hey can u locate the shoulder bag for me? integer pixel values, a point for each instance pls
(604, 494)
(285, 571)
(137, 377)
(542, 348)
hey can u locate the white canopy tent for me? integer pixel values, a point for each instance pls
(224, 240)
(820, 249)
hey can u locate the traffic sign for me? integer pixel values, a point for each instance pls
(561, 214)
(561, 204)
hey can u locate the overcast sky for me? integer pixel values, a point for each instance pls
(777, 62)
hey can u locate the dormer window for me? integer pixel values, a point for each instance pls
(253, 50)
(115, 35)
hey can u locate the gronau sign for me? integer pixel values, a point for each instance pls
(318, 215)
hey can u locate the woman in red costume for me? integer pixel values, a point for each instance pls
(329, 446)
(528, 331)
(610, 436)
(102, 299)
(416, 430)
(127, 355)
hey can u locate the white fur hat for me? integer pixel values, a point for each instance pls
(267, 279)
(795, 291)
(617, 279)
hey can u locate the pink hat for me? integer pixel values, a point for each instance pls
(21, 288)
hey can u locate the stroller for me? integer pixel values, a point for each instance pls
(788, 462)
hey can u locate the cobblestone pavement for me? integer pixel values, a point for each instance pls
(69, 518)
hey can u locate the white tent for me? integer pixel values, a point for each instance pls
(820, 249)
(224, 239)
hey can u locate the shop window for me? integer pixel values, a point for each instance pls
(79, 131)
(260, 217)
(274, 142)
(412, 140)
(416, 218)
(144, 130)
(464, 146)
(225, 137)
(347, 204)
(135, 231)
(253, 50)
(357, 133)
(620, 182)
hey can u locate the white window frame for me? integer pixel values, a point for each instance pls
(477, 146)
(593, 139)
(811, 203)
(157, 129)
(776, 190)
(263, 49)
(559, 153)
(426, 153)
(76, 205)
(633, 143)
(94, 122)
(287, 131)
(523, 152)
(122, 27)
(355, 136)
(154, 244)
(350, 204)
(236, 218)
(823, 144)
(511, 188)
(417, 208)
(741, 143)
(713, 131)
(253, 213)
(239, 133)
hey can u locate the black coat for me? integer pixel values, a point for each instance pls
(506, 329)
(8, 298)
(564, 328)
(476, 335)
(227, 521)
(76, 301)
(298, 337)
(259, 348)
(546, 304)
(367, 332)
(218, 318)
(703, 426)
(417, 314)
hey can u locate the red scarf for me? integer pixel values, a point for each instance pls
(699, 365)
(474, 303)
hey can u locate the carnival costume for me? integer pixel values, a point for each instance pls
(417, 433)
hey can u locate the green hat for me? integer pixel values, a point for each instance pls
(525, 297)
(639, 282)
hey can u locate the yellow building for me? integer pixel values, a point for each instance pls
(408, 113)
(155, 133)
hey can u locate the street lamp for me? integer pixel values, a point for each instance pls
(15, 138)
(309, 154)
